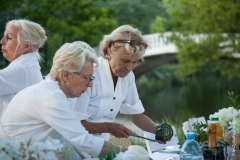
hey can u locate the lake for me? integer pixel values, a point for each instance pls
(194, 98)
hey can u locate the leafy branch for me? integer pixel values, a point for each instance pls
(233, 99)
(201, 134)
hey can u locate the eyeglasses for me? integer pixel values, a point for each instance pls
(133, 43)
(89, 79)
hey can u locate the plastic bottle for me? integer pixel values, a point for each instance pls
(191, 150)
(219, 134)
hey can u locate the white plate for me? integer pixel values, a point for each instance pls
(174, 147)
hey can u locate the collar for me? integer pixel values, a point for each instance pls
(25, 57)
(105, 67)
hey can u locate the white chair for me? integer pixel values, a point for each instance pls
(188, 124)
(155, 146)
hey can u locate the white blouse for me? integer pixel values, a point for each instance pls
(103, 103)
(43, 110)
(21, 73)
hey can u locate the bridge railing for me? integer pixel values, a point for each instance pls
(158, 44)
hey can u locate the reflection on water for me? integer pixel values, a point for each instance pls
(198, 97)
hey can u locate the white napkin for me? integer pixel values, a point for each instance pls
(125, 156)
(134, 152)
(140, 152)
(164, 156)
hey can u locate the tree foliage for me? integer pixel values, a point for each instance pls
(216, 23)
(139, 13)
(64, 21)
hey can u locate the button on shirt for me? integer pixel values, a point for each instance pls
(43, 110)
(103, 103)
(21, 73)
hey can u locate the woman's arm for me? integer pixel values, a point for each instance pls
(118, 130)
(143, 122)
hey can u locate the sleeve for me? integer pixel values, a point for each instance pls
(58, 114)
(12, 79)
(132, 104)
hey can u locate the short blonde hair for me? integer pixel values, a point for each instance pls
(124, 32)
(29, 33)
(71, 57)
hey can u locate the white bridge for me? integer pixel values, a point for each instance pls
(159, 51)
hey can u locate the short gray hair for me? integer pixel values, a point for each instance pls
(124, 32)
(29, 33)
(71, 57)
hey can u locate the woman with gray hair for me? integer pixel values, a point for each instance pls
(114, 89)
(46, 109)
(20, 44)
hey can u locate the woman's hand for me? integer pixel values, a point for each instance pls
(163, 142)
(119, 130)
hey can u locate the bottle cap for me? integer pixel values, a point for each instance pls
(190, 135)
(214, 118)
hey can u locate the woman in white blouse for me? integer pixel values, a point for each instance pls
(114, 89)
(20, 44)
(46, 109)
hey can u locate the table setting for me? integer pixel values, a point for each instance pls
(170, 153)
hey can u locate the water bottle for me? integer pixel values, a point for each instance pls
(191, 150)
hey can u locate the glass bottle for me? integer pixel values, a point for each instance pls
(212, 140)
(219, 134)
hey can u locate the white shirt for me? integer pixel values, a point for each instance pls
(103, 103)
(21, 73)
(43, 110)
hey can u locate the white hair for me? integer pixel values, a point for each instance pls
(71, 57)
(124, 32)
(29, 33)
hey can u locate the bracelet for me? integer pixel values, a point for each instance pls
(120, 148)
(154, 127)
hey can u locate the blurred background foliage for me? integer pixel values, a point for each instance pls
(86, 20)
(195, 85)
(217, 21)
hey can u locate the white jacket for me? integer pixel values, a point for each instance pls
(21, 73)
(103, 103)
(43, 110)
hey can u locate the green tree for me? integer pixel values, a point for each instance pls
(217, 21)
(66, 21)
(158, 25)
(139, 13)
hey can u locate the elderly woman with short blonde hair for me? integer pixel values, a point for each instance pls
(47, 110)
(20, 44)
(114, 89)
